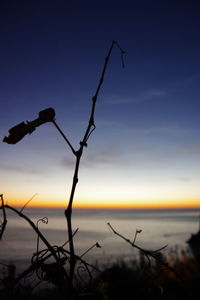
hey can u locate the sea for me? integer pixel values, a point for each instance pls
(156, 229)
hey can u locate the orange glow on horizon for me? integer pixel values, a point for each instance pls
(167, 204)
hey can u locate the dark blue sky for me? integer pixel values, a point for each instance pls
(147, 117)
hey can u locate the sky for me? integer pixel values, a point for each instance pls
(145, 150)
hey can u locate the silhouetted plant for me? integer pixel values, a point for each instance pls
(55, 271)
(156, 255)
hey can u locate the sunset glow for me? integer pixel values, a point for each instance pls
(145, 149)
(162, 203)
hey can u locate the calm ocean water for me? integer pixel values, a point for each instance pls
(159, 228)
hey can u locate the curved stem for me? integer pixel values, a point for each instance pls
(35, 228)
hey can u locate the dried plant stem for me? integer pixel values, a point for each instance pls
(64, 136)
(89, 249)
(3, 225)
(38, 232)
(83, 143)
(28, 202)
(36, 264)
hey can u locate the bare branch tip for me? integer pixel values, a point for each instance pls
(28, 202)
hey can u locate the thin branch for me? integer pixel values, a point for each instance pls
(45, 221)
(136, 233)
(68, 240)
(91, 131)
(28, 202)
(3, 225)
(65, 138)
(160, 249)
(89, 249)
(122, 54)
(148, 253)
(90, 128)
(38, 232)
(94, 98)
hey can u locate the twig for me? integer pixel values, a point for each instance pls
(45, 221)
(122, 54)
(28, 202)
(68, 240)
(3, 225)
(65, 138)
(136, 233)
(88, 250)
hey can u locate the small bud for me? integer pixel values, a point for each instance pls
(97, 245)
(17, 132)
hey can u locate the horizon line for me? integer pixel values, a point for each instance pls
(115, 207)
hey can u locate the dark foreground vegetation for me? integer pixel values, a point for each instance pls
(134, 280)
